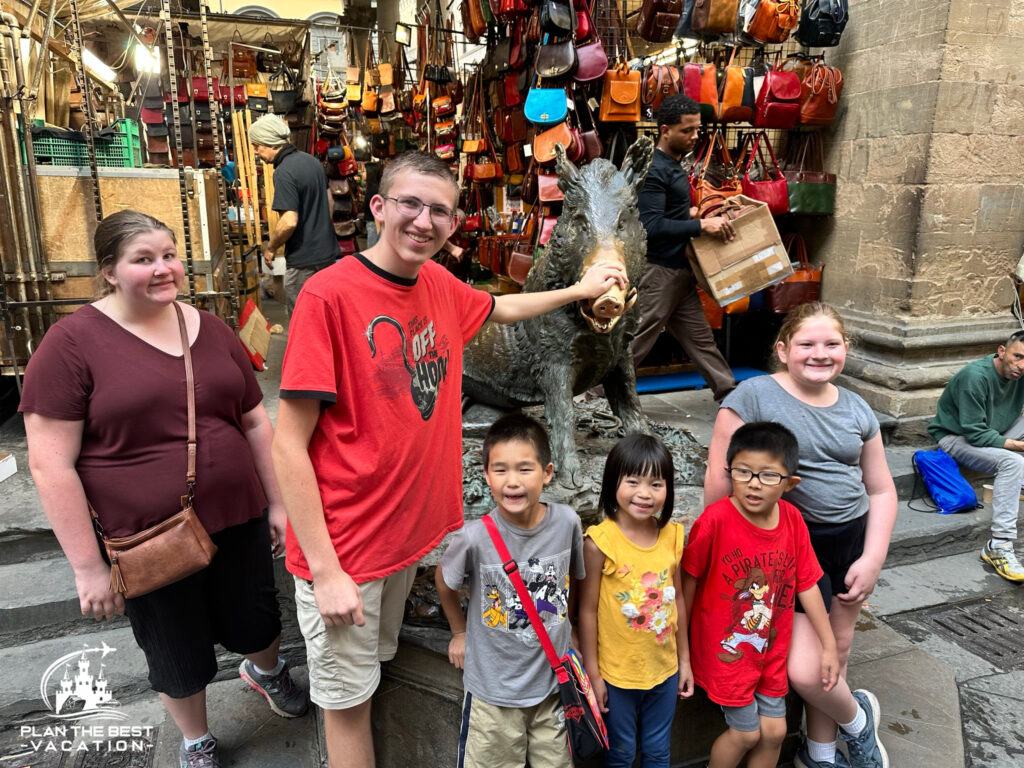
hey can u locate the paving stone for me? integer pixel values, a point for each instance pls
(936, 582)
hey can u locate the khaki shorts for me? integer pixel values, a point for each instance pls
(508, 737)
(344, 662)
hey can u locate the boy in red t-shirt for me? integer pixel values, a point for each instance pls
(368, 446)
(748, 558)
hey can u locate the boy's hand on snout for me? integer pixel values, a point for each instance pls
(457, 650)
(601, 278)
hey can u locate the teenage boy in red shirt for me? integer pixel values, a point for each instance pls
(368, 446)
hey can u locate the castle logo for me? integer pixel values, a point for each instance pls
(75, 687)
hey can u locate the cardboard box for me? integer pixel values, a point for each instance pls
(750, 262)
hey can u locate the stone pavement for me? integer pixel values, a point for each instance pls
(914, 672)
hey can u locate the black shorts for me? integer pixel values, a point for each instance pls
(837, 546)
(233, 601)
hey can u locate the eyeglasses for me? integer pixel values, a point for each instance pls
(764, 478)
(411, 207)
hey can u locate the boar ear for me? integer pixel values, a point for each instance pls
(638, 161)
(567, 172)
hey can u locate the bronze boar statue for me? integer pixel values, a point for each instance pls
(551, 358)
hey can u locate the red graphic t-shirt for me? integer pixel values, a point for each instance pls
(384, 353)
(742, 618)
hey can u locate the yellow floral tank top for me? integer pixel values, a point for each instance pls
(636, 613)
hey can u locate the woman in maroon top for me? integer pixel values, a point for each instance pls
(106, 419)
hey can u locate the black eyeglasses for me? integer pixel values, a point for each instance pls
(764, 478)
(411, 207)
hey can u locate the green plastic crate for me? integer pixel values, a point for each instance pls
(120, 150)
(53, 150)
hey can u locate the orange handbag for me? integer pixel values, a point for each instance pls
(700, 186)
(773, 21)
(820, 93)
(544, 143)
(620, 95)
(736, 100)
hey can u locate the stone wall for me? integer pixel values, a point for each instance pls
(929, 220)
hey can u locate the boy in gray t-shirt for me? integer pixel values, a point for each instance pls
(511, 706)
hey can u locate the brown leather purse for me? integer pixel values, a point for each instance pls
(819, 94)
(544, 143)
(714, 16)
(620, 95)
(175, 548)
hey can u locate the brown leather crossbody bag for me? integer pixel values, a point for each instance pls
(175, 548)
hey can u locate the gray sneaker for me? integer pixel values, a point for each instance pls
(866, 751)
(803, 760)
(201, 755)
(284, 697)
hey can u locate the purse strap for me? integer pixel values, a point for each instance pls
(190, 385)
(512, 571)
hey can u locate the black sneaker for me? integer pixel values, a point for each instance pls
(284, 697)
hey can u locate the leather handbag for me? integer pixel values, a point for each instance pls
(778, 101)
(661, 80)
(291, 52)
(820, 91)
(239, 95)
(700, 83)
(658, 19)
(555, 59)
(802, 286)
(620, 95)
(347, 246)
(545, 106)
(547, 188)
(736, 100)
(773, 21)
(771, 187)
(179, 546)
(243, 60)
(591, 62)
(822, 22)
(200, 91)
(714, 17)
(267, 61)
(473, 24)
(544, 143)
(152, 115)
(589, 137)
(485, 170)
(556, 17)
(702, 183)
(811, 189)
(547, 228)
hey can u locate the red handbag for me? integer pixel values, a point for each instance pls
(802, 286)
(547, 226)
(771, 188)
(778, 101)
(547, 188)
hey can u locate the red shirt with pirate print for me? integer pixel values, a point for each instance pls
(383, 354)
(742, 617)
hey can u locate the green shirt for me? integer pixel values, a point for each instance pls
(978, 404)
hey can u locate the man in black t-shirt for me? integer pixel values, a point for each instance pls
(300, 196)
(668, 290)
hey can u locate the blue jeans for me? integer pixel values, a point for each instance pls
(640, 719)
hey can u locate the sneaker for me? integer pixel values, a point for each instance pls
(1002, 557)
(201, 755)
(866, 751)
(803, 760)
(284, 697)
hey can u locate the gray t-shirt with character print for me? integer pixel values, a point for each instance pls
(505, 664)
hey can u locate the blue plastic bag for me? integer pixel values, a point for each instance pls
(948, 489)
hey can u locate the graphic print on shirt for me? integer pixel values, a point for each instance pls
(648, 603)
(429, 366)
(752, 617)
(547, 581)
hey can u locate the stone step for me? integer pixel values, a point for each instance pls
(921, 536)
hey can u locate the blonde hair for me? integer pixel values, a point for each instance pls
(796, 319)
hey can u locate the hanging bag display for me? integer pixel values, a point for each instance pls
(714, 17)
(243, 60)
(179, 546)
(557, 17)
(657, 19)
(811, 189)
(802, 286)
(585, 729)
(736, 100)
(545, 106)
(702, 183)
(770, 187)
(265, 60)
(555, 58)
(773, 21)
(700, 83)
(620, 95)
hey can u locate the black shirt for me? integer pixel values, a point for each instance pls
(664, 203)
(300, 185)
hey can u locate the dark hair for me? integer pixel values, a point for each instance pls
(1014, 338)
(114, 232)
(674, 107)
(517, 426)
(415, 161)
(767, 436)
(638, 455)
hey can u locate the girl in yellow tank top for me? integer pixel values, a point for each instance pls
(634, 644)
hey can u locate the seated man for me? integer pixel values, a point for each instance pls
(979, 424)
